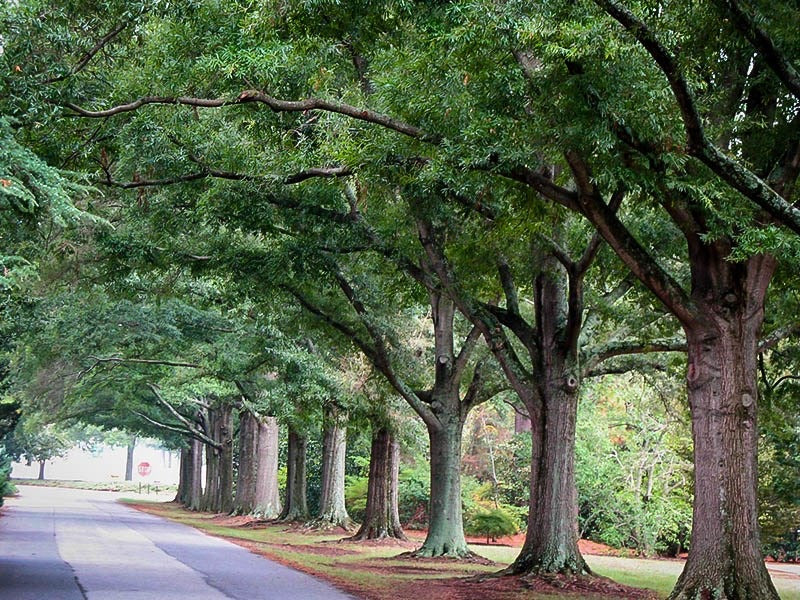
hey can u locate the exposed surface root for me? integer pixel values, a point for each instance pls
(470, 557)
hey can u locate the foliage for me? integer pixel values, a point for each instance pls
(494, 523)
(6, 487)
(355, 495)
(632, 468)
(413, 494)
(513, 470)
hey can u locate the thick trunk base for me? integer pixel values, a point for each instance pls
(446, 529)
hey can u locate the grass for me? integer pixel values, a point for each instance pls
(376, 572)
(104, 486)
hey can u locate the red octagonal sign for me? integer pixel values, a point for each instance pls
(143, 468)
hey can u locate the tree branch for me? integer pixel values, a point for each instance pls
(89, 54)
(761, 41)
(145, 361)
(186, 423)
(770, 341)
(465, 352)
(638, 260)
(626, 348)
(735, 175)
(275, 104)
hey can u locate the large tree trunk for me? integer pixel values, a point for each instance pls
(725, 559)
(41, 469)
(184, 474)
(195, 487)
(226, 459)
(445, 521)
(129, 459)
(218, 493)
(296, 506)
(550, 395)
(381, 517)
(266, 501)
(332, 510)
(551, 539)
(243, 502)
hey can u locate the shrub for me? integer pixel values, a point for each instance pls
(493, 524)
(6, 487)
(355, 496)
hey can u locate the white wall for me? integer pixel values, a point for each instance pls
(107, 464)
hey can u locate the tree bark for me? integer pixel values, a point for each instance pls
(218, 493)
(41, 470)
(332, 510)
(551, 539)
(266, 501)
(129, 459)
(195, 488)
(243, 502)
(725, 559)
(381, 517)
(296, 506)
(184, 475)
(445, 520)
(226, 459)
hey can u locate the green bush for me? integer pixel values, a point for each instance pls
(492, 524)
(355, 496)
(414, 490)
(6, 487)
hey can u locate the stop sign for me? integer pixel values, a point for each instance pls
(143, 468)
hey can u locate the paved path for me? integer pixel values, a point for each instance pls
(61, 544)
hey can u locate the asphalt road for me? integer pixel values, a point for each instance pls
(62, 544)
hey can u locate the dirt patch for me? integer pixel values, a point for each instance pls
(518, 588)
(515, 541)
(380, 543)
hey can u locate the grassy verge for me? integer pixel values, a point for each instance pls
(377, 572)
(373, 570)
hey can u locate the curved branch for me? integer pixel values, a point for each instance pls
(317, 172)
(735, 175)
(761, 41)
(771, 340)
(628, 348)
(627, 247)
(89, 54)
(275, 104)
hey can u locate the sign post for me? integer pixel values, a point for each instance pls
(143, 468)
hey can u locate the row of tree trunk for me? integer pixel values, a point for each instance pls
(256, 481)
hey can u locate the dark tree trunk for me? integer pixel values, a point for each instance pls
(184, 475)
(332, 511)
(381, 517)
(725, 559)
(266, 501)
(394, 488)
(210, 498)
(41, 469)
(218, 493)
(246, 475)
(549, 391)
(225, 437)
(551, 539)
(296, 506)
(195, 487)
(129, 459)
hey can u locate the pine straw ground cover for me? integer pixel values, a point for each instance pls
(377, 571)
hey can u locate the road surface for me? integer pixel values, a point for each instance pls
(63, 544)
